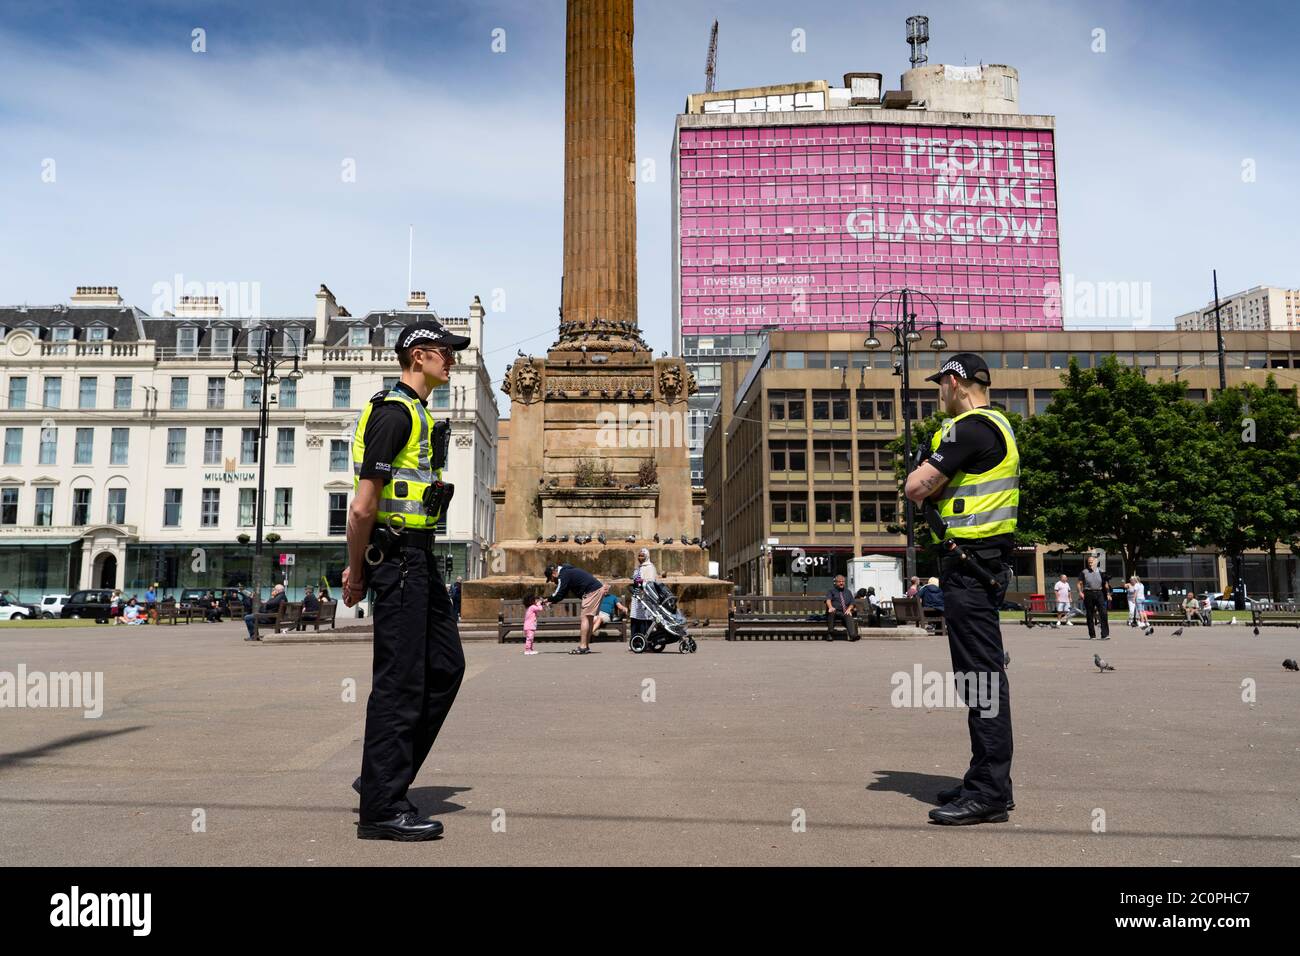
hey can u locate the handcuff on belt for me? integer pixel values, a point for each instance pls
(386, 538)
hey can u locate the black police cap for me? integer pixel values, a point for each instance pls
(965, 365)
(430, 333)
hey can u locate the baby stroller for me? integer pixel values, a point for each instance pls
(666, 625)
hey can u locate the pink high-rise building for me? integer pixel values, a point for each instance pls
(797, 206)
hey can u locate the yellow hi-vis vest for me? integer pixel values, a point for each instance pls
(983, 504)
(413, 470)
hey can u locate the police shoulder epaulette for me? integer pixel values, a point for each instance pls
(378, 396)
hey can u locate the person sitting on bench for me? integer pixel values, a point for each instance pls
(840, 607)
(310, 608)
(266, 615)
(1192, 608)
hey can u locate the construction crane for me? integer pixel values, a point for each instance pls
(710, 65)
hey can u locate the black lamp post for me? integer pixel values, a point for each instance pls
(265, 365)
(906, 331)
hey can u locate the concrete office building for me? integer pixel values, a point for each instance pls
(795, 206)
(130, 456)
(796, 464)
(1262, 307)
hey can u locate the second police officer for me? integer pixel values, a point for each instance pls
(971, 481)
(398, 453)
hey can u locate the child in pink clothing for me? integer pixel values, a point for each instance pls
(532, 605)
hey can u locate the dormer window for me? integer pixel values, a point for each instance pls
(256, 340)
(97, 333)
(222, 337)
(187, 340)
(291, 343)
(63, 333)
(358, 337)
(390, 336)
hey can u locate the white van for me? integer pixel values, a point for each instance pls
(52, 604)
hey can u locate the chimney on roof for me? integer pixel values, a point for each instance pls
(96, 295)
(418, 302)
(327, 307)
(198, 305)
(476, 313)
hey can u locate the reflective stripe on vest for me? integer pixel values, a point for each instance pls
(412, 467)
(987, 503)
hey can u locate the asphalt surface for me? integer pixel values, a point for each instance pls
(562, 760)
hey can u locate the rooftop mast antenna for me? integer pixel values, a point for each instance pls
(410, 258)
(711, 64)
(918, 35)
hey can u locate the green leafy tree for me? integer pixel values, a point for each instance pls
(1254, 501)
(1115, 462)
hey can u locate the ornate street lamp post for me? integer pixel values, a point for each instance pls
(906, 331)
(265, 366)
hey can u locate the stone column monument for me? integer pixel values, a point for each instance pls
(598, 432)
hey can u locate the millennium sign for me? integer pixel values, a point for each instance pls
(229, 477)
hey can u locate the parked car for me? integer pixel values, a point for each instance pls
(1219, 604)
(16, 611)
(224, 595)
(52, 604)
(94, 604)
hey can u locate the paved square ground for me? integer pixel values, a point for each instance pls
(739, 740)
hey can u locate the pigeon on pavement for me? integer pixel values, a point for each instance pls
(1290, 664)
(1006, 658)
(1177, 633)
(1101, 665)
(1149, 630)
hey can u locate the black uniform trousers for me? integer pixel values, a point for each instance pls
(970, 613)
(418, 668)
(1094, 602)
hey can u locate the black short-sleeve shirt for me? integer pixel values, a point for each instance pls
(974, 445)
(387, 432)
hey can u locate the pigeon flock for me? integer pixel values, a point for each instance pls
(600, 537)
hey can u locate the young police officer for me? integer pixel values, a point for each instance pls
(398, 453)
(972, 477)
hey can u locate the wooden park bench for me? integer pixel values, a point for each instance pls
(1170, 612)
(1039, 610)
(283, 618)
(774, 617)
(909, 612)
(323, 617)
(172, 613)
(554, 621)
(1279, 615)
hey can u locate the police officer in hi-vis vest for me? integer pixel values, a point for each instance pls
(970, 482)
(398, 453)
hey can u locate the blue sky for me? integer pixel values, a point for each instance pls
(226, 166)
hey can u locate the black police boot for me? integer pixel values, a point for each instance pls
(952, 793)
(405, 827)
(969, 811)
